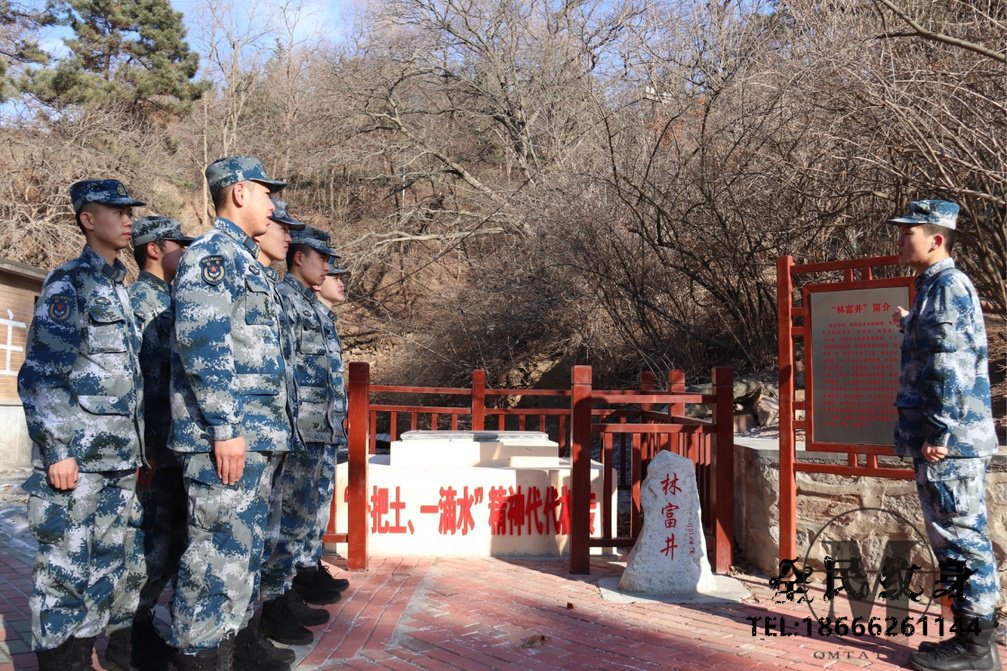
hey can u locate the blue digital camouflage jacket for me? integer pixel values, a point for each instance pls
(321, 404)
(80, 383)
(945, 367)
(289, 348)
(150, 297)
(227, 371)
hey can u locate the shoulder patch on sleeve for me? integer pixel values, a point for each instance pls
(212, 269)
(59, 307)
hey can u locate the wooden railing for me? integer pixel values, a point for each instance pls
(630, 418)
(475, 415)
(625, 428)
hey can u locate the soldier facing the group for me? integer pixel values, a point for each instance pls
(945, 425)
(203, 332)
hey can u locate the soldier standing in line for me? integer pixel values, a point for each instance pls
(299, 493)
(158, 244)
(332, 291)
(253, 651)
(945, 424)
(82, 391)
(313, 581)
(229, 412)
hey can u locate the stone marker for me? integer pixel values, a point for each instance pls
(670, 553)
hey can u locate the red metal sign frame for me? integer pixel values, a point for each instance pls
(789, 331)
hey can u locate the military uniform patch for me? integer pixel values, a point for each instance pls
(213, 269)
(59, 308)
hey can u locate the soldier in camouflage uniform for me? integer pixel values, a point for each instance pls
(332, 291)
(158, 244)
(313, 580)
(229, 412)
(252, 650)
(82, 392)
(299, 493)
(945, 425)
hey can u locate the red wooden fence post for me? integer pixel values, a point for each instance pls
(788, 456)
(478, 400)
(359, 410)
(650, 443)
(723, 461)
(676, 385)
(580, 475)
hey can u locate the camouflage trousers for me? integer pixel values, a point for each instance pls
(313, 548)
(163, 533)
(220, 566)
(953, 499)
(124, 601)
(85, 537)
(295, 512)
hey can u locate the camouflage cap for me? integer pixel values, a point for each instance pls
(233, 169)
(312, 237)
(281, 216)
(152, 229)
(336, 269)
(103, 191)
(937, 212)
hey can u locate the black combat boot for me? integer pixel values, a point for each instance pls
(326, 580)
(968, 650)
(220, 658)
(226, 657)
(959, 629)
(279, 624)
(927, 646)
(65, 656)
(315, 585)
(302, 612)
(139, 647)
(249, 657)
(252, 639)
(204, 660)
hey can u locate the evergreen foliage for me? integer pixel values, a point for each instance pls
(131, 51)
(18, 43)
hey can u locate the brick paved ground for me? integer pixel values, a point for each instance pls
(526, 615)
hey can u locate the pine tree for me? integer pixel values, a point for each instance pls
(18, 41)
(131, 51)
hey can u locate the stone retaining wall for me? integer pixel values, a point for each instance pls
(822, 497)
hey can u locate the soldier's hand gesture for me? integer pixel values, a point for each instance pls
(63, 474)
(230, 457)
(934, 453)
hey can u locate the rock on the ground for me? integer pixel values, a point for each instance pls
(768, 411)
